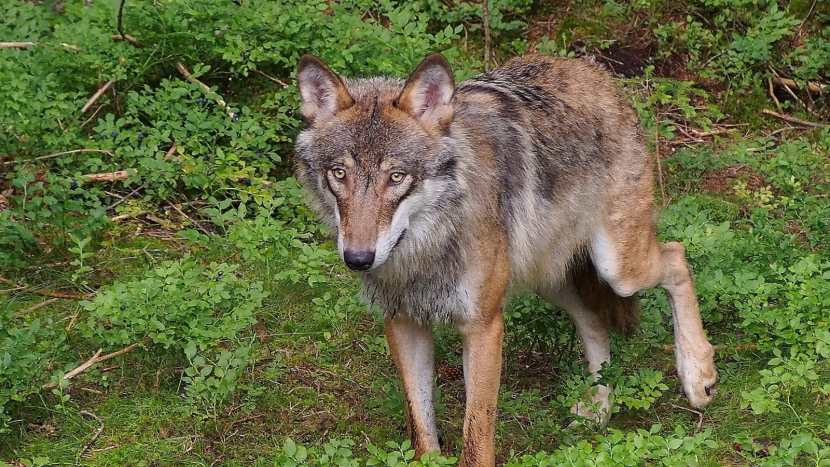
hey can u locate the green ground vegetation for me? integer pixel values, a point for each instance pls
(228, 331)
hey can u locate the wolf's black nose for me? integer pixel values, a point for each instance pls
(359, 260)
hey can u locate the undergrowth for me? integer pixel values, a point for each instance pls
(232, 334)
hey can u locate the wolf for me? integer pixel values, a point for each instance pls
(446, 197)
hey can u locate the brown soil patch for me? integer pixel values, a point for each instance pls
(722, 181)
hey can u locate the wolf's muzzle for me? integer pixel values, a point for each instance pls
(359, 260)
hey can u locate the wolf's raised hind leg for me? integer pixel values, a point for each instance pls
(593, 331)
(412, 350)
(628, 256)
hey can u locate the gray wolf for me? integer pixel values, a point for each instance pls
(446, 197)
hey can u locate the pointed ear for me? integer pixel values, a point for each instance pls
(427, 94)
(323, 92)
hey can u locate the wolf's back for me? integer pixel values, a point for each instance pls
(562, 139)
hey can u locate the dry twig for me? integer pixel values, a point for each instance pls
(45, 293)
(812, 88)
(170, 152)
(96, 359)
(110, 176)
(797, 121)
(127, 216)
(281, 83)
(125, 198)
(772, 94)
(248, 419)
(25, 45)
(50, 156)
(35, 308)
(95, 436)
(199, 226)
(183, 70)
(97, 95)
(126, 37)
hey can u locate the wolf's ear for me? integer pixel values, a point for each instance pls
(427, 94)
(323, 92)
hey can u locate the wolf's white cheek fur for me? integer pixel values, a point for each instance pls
(388, 238)
(412, 206)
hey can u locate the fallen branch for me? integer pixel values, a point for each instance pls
(45, 293)
(281, 83)
(772, 94)
(16, 45)
(248, 419)
(156, 220)
(126, 37)
(110, 176)
(95, 96)
(797, 121)
(26, 45)
(126, 216)
(125, 198)
(35, 308)
(812, 88)
(170, 152)
(95, 359)
(703, 134)
(199, 226)
(50, 156)
(12, 290)
(262, 182)
(192, 79)
(95, 436)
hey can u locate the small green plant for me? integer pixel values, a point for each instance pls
(640, 391)
(78, 249)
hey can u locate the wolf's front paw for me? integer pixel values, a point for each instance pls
(698, 375)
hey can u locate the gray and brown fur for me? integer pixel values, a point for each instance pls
(534, 175)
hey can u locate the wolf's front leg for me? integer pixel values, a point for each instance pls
(412, 349)
(482, 341)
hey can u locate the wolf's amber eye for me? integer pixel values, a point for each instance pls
(397, 176)
(339, 174)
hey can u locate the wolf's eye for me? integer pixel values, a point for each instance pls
(339, 174)
(397, 176)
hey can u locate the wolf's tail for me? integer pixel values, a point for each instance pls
(620, 313)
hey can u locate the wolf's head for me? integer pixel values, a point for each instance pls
(374, 155)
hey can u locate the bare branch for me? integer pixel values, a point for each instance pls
(110, 176)
(126, 37)
(40, 158)
(96, 359)
(35, 308)
(271, 78)
(16, 45)
(183, 70)
(95, 96)
(95, 436)
(795, 120)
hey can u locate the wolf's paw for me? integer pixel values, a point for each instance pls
(698, 375)
(598, 410)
